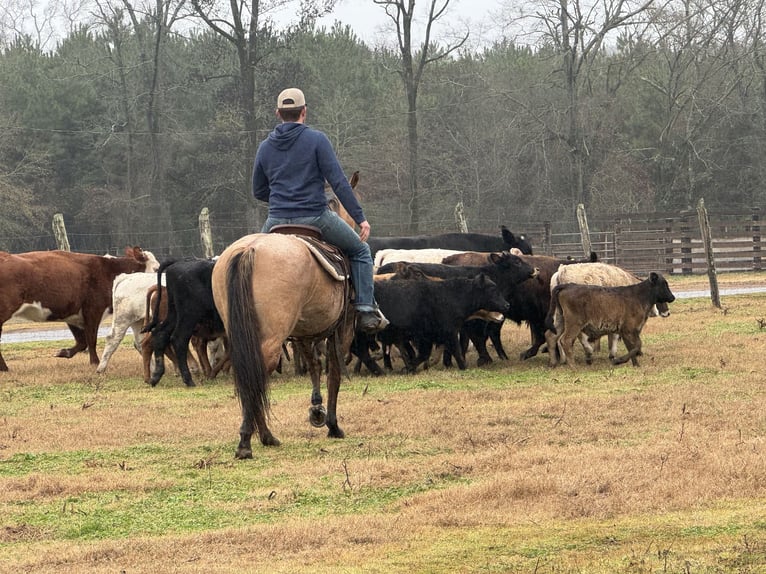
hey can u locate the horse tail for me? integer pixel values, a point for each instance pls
(250, 374)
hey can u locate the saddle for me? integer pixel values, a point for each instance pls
(330, 257)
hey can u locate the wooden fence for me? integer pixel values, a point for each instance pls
(668, 243)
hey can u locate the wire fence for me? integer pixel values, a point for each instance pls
(670, 243)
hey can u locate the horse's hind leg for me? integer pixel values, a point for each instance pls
(333, 386)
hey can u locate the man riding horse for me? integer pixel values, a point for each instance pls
(290, 170)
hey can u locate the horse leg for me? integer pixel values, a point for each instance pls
(317, 412)
(333, 386)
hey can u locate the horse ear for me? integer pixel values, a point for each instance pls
(354, 179)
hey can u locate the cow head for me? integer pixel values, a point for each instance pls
(145, 257)
(519, 241)
(487, 294)
(520, 269)
(661, 293)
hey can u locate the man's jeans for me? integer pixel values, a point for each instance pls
(336, 231)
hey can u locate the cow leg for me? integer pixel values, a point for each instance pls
(80, 344)
(614, 339)
(494, 330)
(472, 331)
(361, 348)
(181, 347)
(160, 340)
(588, 348)
(113, 340)
(453, 345)
(538, 339)
(633, 344)
(200, 347)
(3, 365)
(551, 340)
(566, 343)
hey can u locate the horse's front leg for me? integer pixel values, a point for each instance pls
(317, 412)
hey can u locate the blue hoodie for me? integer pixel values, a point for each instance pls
(291, 167)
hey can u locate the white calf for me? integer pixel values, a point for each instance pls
(129, 311)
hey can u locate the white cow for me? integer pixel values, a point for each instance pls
(433, 255)
(129, 311)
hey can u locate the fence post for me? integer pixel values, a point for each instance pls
(462, 224)
(616, 242)
(756, 218)
(707, 240)
(547, 238)
(582, 219)
(206, 234)
(59, 232)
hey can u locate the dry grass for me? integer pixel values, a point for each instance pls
(511, 468)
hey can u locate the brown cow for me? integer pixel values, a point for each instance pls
(603, 274)
(599, 311)
(75, 288)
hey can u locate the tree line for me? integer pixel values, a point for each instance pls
(142, 114)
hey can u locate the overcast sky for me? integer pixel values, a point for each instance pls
(371, 24)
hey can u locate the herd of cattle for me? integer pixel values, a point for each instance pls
(448, 290)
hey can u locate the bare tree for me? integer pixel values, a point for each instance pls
(245, 24)
(578, 31)
(413, 64)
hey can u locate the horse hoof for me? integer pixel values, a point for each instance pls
(243, 453)
(317, 416)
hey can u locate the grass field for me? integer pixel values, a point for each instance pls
(509, 468)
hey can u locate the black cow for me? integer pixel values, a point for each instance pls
(432, 312)
(191, 311)
(457, 241)
(529, 303)
(506, 270)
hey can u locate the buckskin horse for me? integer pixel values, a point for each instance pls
(269, 287)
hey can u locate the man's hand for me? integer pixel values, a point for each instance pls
(364, 230)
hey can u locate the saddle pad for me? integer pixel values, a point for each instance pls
(330, 257)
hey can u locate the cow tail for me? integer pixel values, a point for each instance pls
(549, 324)
(250, 374)
(151, 325)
